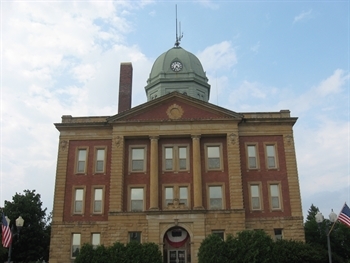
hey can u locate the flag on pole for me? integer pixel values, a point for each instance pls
(344, 215)
(6, 233)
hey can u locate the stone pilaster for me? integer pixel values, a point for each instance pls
(197, 174)
(117, 175)
(154, 173)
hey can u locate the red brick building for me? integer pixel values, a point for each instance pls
(174, 169)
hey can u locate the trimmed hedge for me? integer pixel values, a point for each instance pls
(133, 252)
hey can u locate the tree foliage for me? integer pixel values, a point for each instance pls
(316, 236)
(255, 246)
(133, 252)
(212, 250)
(33, 240)
(248, 246)
(286, 251)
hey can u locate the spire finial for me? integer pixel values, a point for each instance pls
(178, 38)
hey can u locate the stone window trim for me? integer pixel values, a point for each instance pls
(176, 203)
(220, 163)
(268, 159)
(144, 168)
(81, 164)
(176, 165)
(272, 195)
(137, 186)
(261, 203)
(93, 199)
(223, 202)
(248, 146)
(74, 199)
(96, 160)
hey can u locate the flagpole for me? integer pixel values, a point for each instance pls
(332, 227)
(336, 220)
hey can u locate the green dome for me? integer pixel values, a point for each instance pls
(186, 75)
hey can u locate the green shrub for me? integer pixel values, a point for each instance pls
(133, 252)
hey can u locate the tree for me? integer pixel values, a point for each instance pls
(316, 236)
(212, 250)
(255, 246)
(33, 242)
(251, 246)
(285, 251)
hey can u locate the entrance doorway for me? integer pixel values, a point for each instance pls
(177, 246)
(177, 256)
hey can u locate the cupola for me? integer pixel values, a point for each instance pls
(177, 70)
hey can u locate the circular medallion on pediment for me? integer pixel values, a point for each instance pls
(175, 112)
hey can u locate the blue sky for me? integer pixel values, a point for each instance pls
(63, 58)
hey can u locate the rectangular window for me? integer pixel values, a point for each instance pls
(100, 161)
(169, 161)
(255, 197)
(98, 200)
(95, 239)
(169, 195)
(252, 160)
(135, 237)
(78, 200)
(275, 196)
(81, 163)
(183, 194)
(176, 195)
(75, 244)
(138, 159)
(271, 156)
(175, 158)
(215, 197)
(278, 233)
(182, 158)
(136, 199)
(213, 157)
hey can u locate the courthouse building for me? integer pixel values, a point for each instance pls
(174, 169)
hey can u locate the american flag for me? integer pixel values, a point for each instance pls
(6, 233)
(344, 215)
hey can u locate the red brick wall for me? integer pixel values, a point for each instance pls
(87, 180)
(265, 175)
(189, 112)
(136, 178)
(175, 178)
(209, 177)
(171, 177)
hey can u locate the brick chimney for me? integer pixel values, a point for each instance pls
(125, 86)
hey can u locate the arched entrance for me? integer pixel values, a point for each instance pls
(177, 246)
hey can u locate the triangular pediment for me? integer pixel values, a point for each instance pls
(174, 107)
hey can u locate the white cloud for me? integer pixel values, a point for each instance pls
(58, 58)
(209, 4)
(255, 48)
(84, 72)
(302, 16)
(323, 156)
(222, 53)
(332, 84)
(251, 96)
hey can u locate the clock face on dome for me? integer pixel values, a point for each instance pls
(176, 66)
